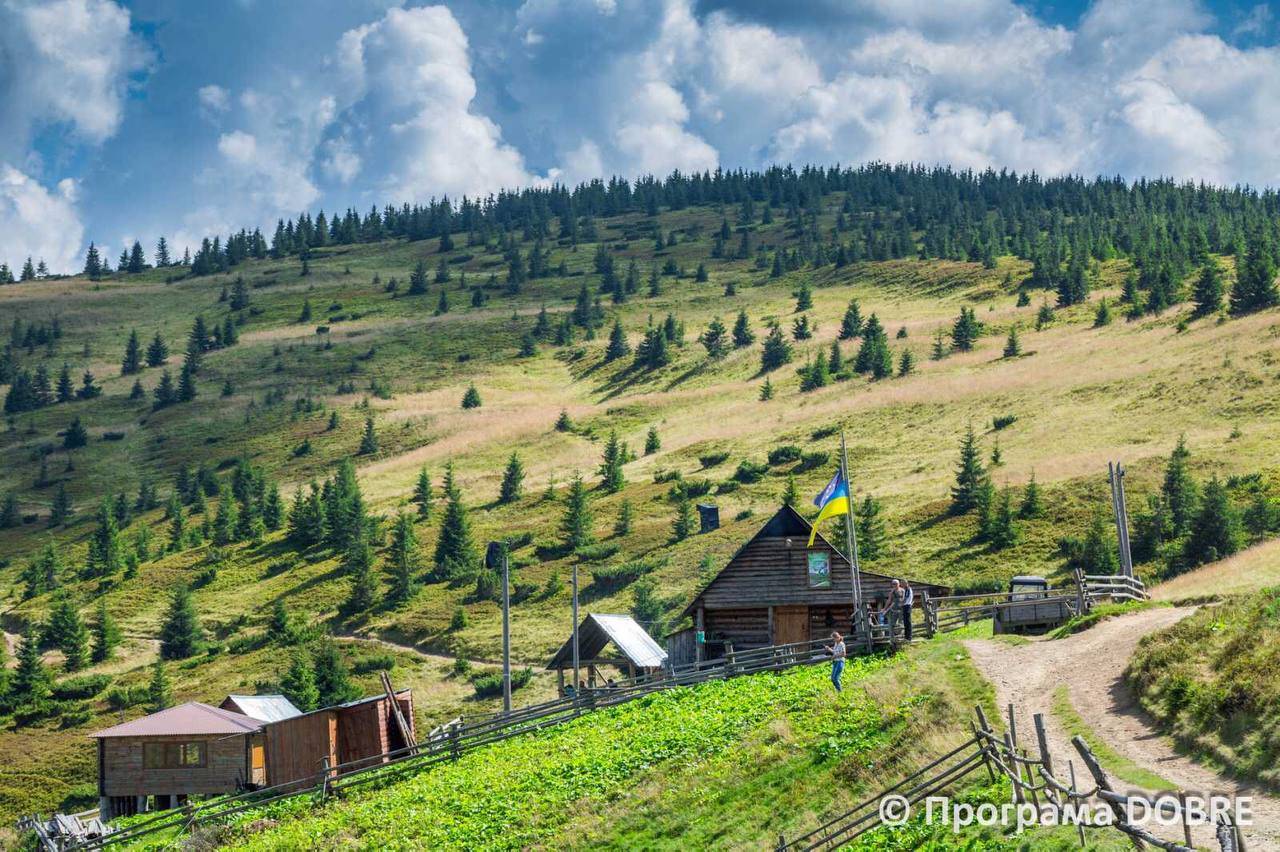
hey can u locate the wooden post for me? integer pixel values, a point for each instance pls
(982, 745)
(1071, 768)
(1011, 755)
(1182, 811)
(575, 627)
(506, 631)
(1046, 760)
(859, 613)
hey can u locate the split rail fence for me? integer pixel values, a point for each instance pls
(1037, 779)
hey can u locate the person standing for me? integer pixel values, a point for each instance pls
(908, 601)
(837, 651)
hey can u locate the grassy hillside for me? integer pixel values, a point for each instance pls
(1077, 396)
(1213, 680)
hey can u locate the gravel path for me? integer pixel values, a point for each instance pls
(1091, 664)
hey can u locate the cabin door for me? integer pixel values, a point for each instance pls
(790, 624)
(258, 763)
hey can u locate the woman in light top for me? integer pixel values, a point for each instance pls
(836, 649)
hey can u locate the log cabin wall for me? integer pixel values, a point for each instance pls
(363, 730)
(125, 774)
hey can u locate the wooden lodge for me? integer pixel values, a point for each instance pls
(777, 590)
(158, 761)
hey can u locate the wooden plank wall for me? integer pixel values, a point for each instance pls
(125, 775)
(745, 628)
(363, 730)
(767, 571)
(297, 747)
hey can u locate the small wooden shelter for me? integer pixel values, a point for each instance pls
(157, 761)
(777, 590)
(639, 653)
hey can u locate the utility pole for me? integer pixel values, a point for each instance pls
(498, 551)
(575, 629)
(859, 619)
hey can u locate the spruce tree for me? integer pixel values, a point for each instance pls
(132, 361)
(1004, 530)
(165, 394)
(67, 632)
(357, 563)
(970, 475)
(851, 323)
(791, 493)
(715, 339)
(157, 351)
(65, 391)
(1179, 490)
(299, 683)
(159, 693)
(776, 352)
(622, 526)
(874, 355)
(280, 627)
(61, 510)
(1102, 316)
(1209, 290)
(835, 361)
(512, 480)
(403, 561)
(1012, 347)
(471, 399)
(766, 390)
(652, 441)
(455, 553)
(682, 524)
(31, 681)
(186, 382)
(870, 529)
(105, 550)
(1031, 507)
(1214, 533)
(181, 633)
(906, 363)
(369, 440)
(804, 298)
(618, 346)
(76, 436)
(577, 521)
(742, 334)
(613, 458)
(333, 679)
(422, 494)
(10, 516)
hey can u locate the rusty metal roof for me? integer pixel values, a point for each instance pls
(190, 718)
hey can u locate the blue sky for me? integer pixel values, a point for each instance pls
(123, 120)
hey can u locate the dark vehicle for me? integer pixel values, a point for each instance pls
(1032, 607)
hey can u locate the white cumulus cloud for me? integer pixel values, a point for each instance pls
(39, 223)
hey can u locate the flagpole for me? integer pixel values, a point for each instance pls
(859, 622)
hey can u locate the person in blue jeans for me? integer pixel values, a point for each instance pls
(836, 649)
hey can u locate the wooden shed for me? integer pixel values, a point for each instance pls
(159, 760)
(636, 652)
(777, 590)
(297, 747)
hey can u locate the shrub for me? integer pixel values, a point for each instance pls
(519, 540)
(815, 459)
(596, 552)
(728, 487)
(1003, 421)
(713, 459)
(784, 454)
(383, 662)
(612, 577)
(749, 471)
(825, 432)
(124, 697)
(83, 687)
(490, 685)
(461, 667)
(76, 716)
(661, 477)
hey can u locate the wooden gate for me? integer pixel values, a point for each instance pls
(790, 624)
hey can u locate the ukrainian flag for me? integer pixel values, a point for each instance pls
(832, 502)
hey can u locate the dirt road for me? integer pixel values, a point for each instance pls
(1091, 665)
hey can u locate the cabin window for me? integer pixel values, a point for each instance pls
(174, 755)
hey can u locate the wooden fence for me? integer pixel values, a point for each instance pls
(1035, 780)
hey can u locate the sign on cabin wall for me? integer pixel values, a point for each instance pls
(820, 570)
